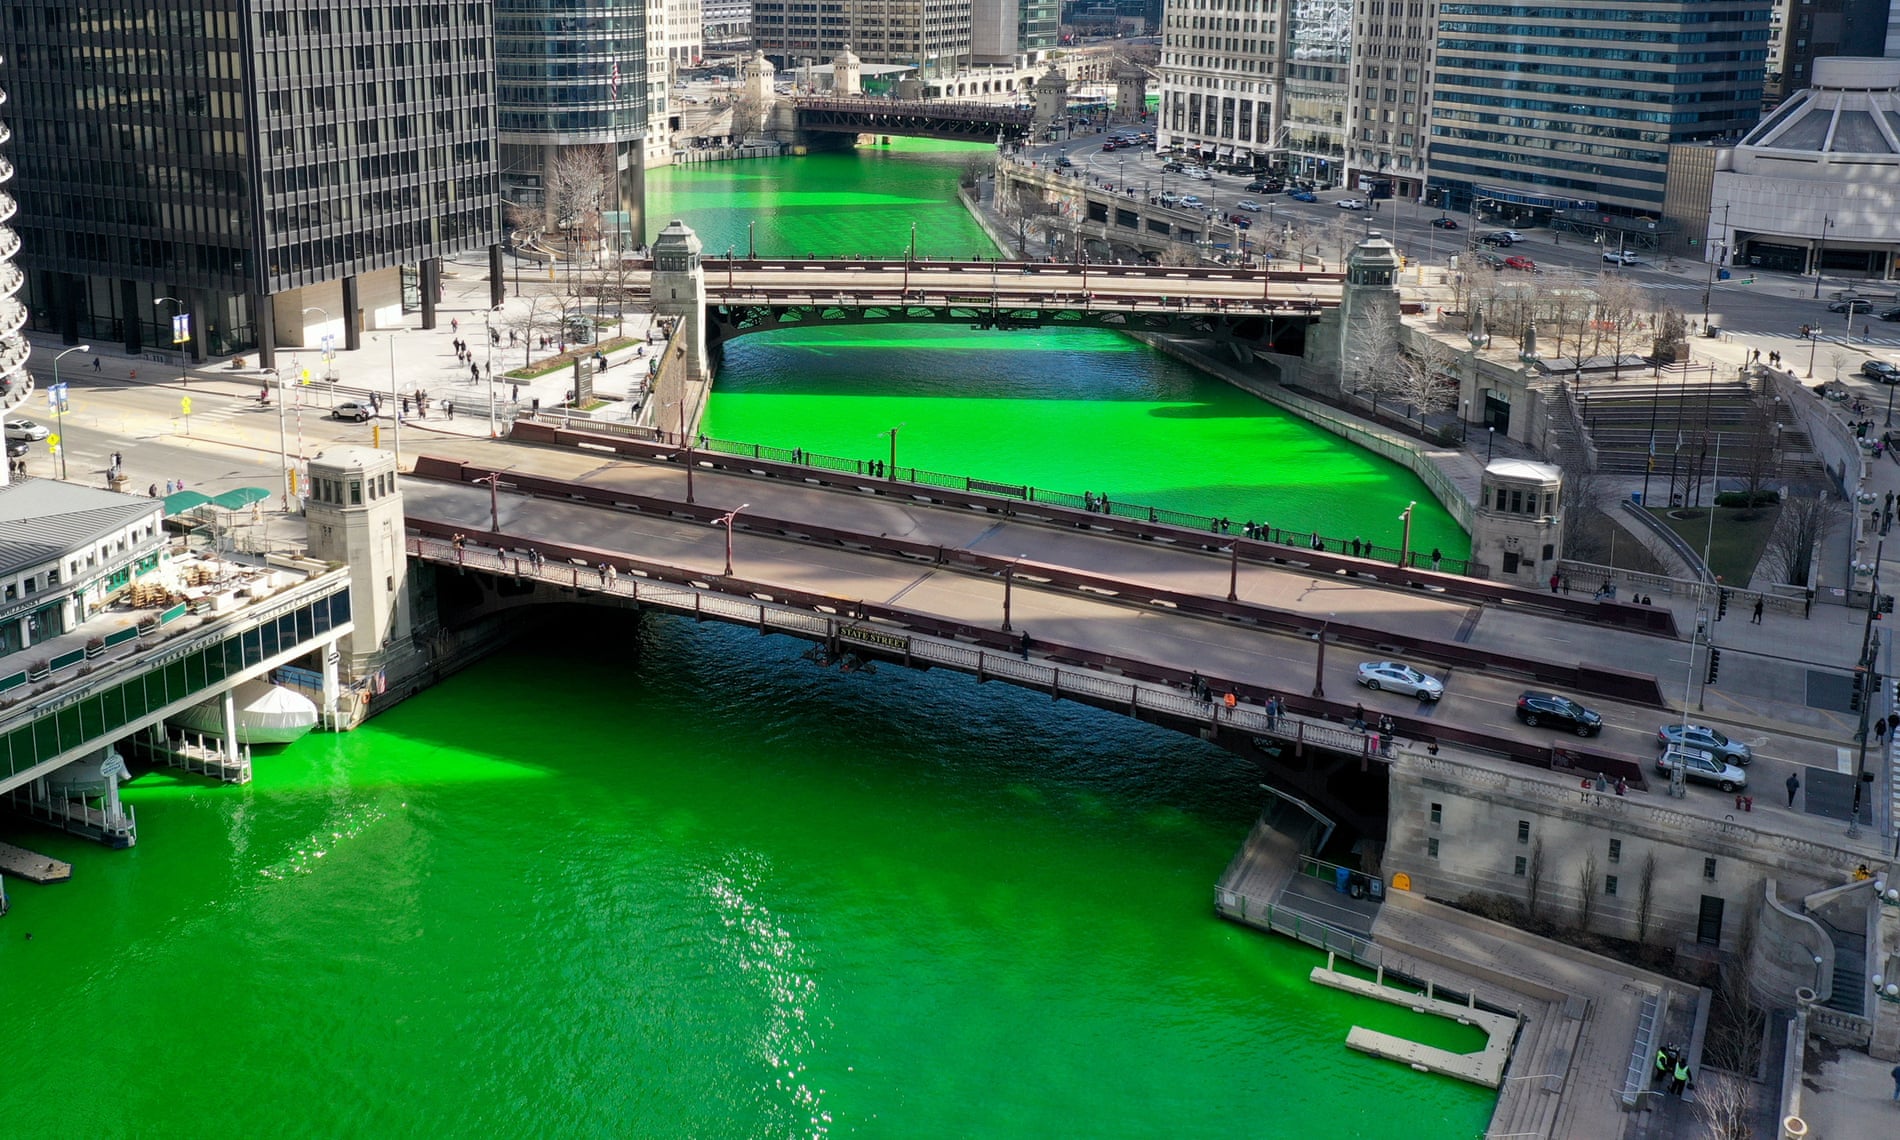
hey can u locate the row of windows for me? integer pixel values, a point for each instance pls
(384, 245)
(1517, 501)
(368, 18)
(1662, 14)
(1457, 74)
(349, 492)
(105, 713)
(1520, 866)
(1618, 55)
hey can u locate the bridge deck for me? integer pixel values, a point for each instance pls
(1125, 626)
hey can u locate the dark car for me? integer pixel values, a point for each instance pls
(1240, 221)
(1172, 167)
(1498, 239)
(17, 450)
(1880, 370)
(1064, 162)
(1264, 186)
(1890, 315)
(1302, 195)
(1535, 708)
(1445, 223)
(1491, 259)
(1851, 305)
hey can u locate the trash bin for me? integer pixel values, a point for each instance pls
(1341, 877)
(1722, 275)
(1715, 330)
(1636, 497)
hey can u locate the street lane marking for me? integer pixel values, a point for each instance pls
(1843, 761)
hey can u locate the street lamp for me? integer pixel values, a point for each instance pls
(1490, 439)
(1405, 543)
(1233, 571)
(488, 327)
(395, 398)
(1820, 252)
(59, 406)
(726, 520)
(751, 249)
(1319, 666)
(283, 439)
(1009, 575)
(892, 474)
(183, 378)
(329, 367)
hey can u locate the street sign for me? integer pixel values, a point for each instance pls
(52, 442)
(185, 405)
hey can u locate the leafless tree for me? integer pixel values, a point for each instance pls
(1022, 207)
(1804, 521)
(1837, 358)
(1302, 240)
(1757, 460)
(1582, 508)
(1180, 254)
(1587, 890)
(748, 117)
(1476, 284)
(576, 187)
(1423, 378)
(1371, 362)
(1722, 1103)
(1344, 233)
(1534, 876)
(1645, 897)
(1620, 305)
(1564, 313)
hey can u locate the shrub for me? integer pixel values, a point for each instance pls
(1744, 499)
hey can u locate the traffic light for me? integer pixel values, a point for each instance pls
(1886, 603)
(1853, 694)
(1721, 603)
(1715, 664)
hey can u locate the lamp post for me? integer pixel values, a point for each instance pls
(488, 368)
(726, 520)
(1890, 389)
(1405, 542)
(59, 407)
(1233, 570)
(892, 474)
(283, 438)
(1820, 252)
(395, 398)
(1490, 440)
(1814, 346)
(184, 378)
(1720, 251)
(752, 250)
(329, 370)
(728, 269)
(1009, 576)
(1319, 666)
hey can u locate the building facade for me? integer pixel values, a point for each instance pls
(931, 36)
(1220, 73)
(13, 347)
(1389, 102)
(1013, 33)
(1817, 29)
(726, 24)
(1539, 106)
(246, 163)
(571, 86)
(1319, 53)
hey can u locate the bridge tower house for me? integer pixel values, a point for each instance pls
(1363, 334)
(1052, 106)
(847, 72)
(355, 516)
(679, 293)
(1517, 531)
(1131, 91)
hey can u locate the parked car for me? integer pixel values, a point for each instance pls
(1302, 195)
(1109, 144)
(1350, 204)
(1398, 677)
(351, 410)
(1173, 167)
(1703, 768)
(1264, 186)
(1880, 370)
(16, 450)
(26, 431)
(1621, 257)
(1064, 163)
(1445, 223)
(1191, 202)
(1851, 305)
(1523, 263)
(1535, 708)
(1511, 234)
(1705, 738)
(1248, 204)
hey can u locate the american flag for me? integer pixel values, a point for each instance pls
(613, 83)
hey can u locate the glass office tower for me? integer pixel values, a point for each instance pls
(246, 162)
(13, 346)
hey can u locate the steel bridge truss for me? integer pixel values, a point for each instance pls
(977, 122)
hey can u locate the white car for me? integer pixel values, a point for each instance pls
(1397, 677)
(351, 410)
(1621, 257)
(1198, 174)
(1508, 235)
(1248, 204)
(1350, 204)
(1191, 202)
(25, 431)
(1703, 768)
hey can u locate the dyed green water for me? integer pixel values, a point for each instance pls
(692, 885)
(1068, 410)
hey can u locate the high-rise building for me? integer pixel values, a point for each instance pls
(726, 23)
(1220, 80)
(1319, 49)
(1389, 108)
(247, 163)
(1013, 33)
(932, 36)
(1816, 29)
(571, 96)
(13, 346)
(1540, 105)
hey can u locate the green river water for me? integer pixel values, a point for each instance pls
(652, 878)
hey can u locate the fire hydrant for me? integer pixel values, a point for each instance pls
(1745, 803)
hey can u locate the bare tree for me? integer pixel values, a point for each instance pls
(1343, 234)
(1804, 521)
(1021, 208)
(1423, 379)
(1534, 876)
(1645, 897)
(1179, 253)
(1620, 305)
(1371, 361)
(576, 188)
(1837, 359)
(1757, 462)
(1722, 1103)
(748, 117)
(1302, 239)
(1587, 888)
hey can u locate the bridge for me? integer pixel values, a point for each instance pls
(935, 119)
(1262, 311)
(1119, 612)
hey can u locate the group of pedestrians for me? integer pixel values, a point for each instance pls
(1672, 1066)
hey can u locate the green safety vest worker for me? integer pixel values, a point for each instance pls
(1682, 1072)
(1662, 1061)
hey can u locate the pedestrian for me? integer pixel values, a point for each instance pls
(152, 491)
(1273, 712)
(1622, 786)
(95, 364)
(511, 338)
(514, 393)
(1437, 555)
(405, 406)
(1896, 1082)
(1756, 620)
(1880, 730)
(1679, 1076)
(168, 486)
(1663, 1065)
(1359, 717)
(1554, 582)
(375, 404)
(455, 325)
(1893, 723)
(1025, 645)
(1794, 785)
(449, 407)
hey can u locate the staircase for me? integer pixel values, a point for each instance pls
(1626, 418)
(1849, 994)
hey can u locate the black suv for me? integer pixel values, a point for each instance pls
(1265, 186)
(1880, 370)
(1851, 305)
(1172, 167)
(1535, 708)
(1498, 239)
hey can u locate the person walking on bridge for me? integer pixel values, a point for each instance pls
(1756, 620)
(1794, 785)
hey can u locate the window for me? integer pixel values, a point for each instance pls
(1520, 866)
(1609, 884)
(1523, 831)
(1616, 850)
(1708, 869)
(1438, 814)
(1431, 848)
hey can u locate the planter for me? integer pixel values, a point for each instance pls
(94, 651)
(38, 673)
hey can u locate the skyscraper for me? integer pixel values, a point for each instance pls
(1541, 105)
(1220, 80)
(13, 346)
(247, 163)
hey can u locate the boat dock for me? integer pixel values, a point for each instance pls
(1484, 1067)
(196, 756)
(31, 866)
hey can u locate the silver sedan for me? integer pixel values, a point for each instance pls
(1397, 677)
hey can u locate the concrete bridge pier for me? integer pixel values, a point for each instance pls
(227, 715)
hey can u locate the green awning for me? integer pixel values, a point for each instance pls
(182, 501)
(239, 499)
